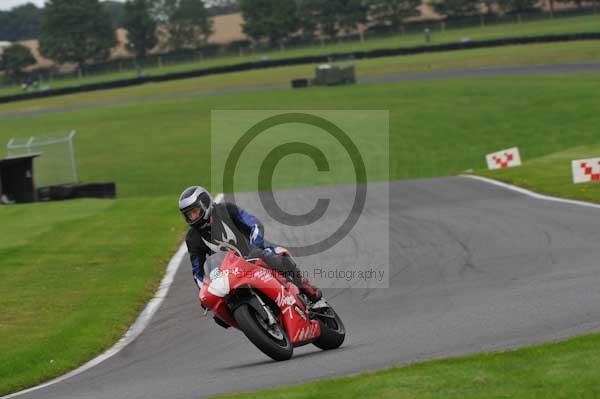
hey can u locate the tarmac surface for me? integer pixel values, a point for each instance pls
(468, 266)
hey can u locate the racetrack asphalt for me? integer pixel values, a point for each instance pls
(472, 267)
(388, 78)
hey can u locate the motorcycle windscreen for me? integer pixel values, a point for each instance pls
(213, 263)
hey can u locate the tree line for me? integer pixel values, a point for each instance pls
(24, 22)
(82, 32)
(278, 21)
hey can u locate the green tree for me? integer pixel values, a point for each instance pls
(116, 12)
(20, 23)
(141, 27)
(352, 13)
(307, 12)
(272, 20)
(328, 17)
(15, 58)
(394, 12)
(516, 6)
(76, 31)
(160, 9)
(188, 24)
(457, 8)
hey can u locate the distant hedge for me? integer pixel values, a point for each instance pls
(246, 66)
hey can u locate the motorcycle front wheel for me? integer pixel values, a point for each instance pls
(333, 331)
(273, 341)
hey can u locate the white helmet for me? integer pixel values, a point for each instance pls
(195, 203)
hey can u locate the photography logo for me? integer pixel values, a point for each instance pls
(260, 159)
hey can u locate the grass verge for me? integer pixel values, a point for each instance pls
(73, 277)
(567, 369)
(551, 174)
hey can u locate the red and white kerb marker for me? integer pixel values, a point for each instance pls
(504, 159)
(586, 170)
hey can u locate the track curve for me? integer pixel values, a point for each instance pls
(473, 267)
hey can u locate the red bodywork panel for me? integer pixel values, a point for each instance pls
(242, 274)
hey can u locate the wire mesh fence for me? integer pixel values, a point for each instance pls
(56, 165)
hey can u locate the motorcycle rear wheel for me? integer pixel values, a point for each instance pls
(274, 343)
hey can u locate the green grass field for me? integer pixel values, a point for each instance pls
(74, 274)
(581, 24)
(562, 370)
(539, 54)
(454, 122)
(551, 174)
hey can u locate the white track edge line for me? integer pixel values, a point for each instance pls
(532, 194)
(136, 328)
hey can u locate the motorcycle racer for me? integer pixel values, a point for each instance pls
(224, 227)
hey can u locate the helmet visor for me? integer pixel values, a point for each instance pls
(193, 215)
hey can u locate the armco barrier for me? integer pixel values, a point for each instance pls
(246, 66)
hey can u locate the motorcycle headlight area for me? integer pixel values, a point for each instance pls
(220, 285)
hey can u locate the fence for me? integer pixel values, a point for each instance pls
(56, 165)
(243, 48)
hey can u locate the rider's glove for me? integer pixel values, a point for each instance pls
(268, 251)
(257, 252)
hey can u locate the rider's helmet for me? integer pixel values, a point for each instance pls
(195, 203)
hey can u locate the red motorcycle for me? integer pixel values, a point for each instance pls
(268, 308)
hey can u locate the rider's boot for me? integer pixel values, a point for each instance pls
(291, 271)
(312, 293)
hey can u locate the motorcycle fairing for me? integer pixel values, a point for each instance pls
(241, 274)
